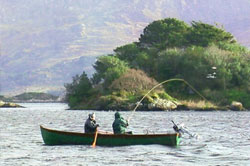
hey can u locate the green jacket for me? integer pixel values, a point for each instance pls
(120, 124)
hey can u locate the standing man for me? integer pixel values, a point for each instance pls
(90, 124)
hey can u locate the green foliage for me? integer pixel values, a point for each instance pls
(233, 47)
(79, 90)
(167, 49)
(202, 34)
(143, 61)
(170, 32)
(168, 63)
(188, 64)
(127, 52)
(72, 101)
(161, 34)
(113, 73)
(104, 62)
(35, 96)
(238, 95)
(108, 68)
(166, 96)
(193, 64)
(232, 69)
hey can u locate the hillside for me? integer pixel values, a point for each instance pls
(33, 97)
(45, 43)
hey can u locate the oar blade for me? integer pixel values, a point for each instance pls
(94, 143)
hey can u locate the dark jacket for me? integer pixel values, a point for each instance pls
(90, 126)
(119, 125)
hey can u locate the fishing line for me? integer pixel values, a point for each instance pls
(169, 80)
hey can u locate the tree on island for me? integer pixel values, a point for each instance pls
(170, 48)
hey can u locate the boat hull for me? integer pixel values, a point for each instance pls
(56, 137)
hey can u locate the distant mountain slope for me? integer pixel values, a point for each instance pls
(44, 43)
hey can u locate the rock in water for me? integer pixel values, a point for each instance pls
(236, 106)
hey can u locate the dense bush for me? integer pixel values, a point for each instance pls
(202, 34)
(206, 56)
(79, 90)
(108, 68)
(164, 33)
(194, 64)
(134, 81)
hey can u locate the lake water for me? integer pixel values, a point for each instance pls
(222, 138)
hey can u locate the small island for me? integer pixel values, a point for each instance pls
(27, 97)
(9, 105)
(213, 67)
(35, 97)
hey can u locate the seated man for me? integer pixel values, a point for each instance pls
(90, 124)
(119, 125)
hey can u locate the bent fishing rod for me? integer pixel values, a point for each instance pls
(166, 81)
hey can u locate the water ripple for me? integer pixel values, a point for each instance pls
(221, 138)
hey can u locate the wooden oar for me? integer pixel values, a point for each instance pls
(94, 143)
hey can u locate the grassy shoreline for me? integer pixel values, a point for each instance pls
(186, 105)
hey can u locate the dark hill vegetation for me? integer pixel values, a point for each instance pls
(35, 96)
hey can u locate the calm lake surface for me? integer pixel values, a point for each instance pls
(223, 138)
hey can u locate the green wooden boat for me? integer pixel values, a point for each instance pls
(56, 137)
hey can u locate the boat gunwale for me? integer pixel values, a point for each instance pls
(107, 134)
